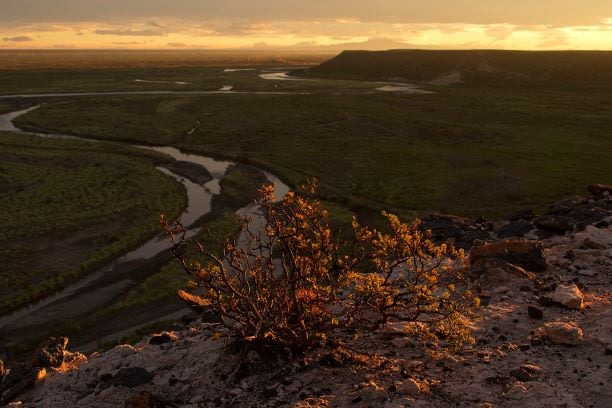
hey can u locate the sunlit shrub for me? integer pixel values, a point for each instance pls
(411, 279)
(292, 281)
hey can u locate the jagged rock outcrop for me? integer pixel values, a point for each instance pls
(462, 231)
(49, 356)
(51, 353)
(565, 216)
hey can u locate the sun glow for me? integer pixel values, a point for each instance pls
(239, 24)
(175, 35)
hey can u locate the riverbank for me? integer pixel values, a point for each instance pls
(409, 154)
(65, 212)
(71, 310)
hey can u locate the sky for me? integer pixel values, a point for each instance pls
(306, 24)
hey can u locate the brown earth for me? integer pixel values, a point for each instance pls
(515, 361)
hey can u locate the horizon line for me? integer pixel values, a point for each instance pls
(323, 50)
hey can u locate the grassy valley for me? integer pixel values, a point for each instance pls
(471, 149)
(465, 150)
(69, 206)
(305, 204)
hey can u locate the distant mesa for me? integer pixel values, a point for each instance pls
(486, 67)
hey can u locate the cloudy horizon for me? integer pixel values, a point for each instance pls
(305, 24)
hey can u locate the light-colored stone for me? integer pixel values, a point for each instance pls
(409, 387)
(562, 333)
(601, 237)
(534, 371)
(569, 296)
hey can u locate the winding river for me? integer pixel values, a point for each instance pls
(104, 286)
(101, 287)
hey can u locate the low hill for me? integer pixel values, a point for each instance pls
(565, 68)
(543, 339)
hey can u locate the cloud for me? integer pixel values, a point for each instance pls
(500, 32)
(155, 24)
(238, 28)
(553, 39)
(42, 27)
(129, 42)
(370, 44)
(130, 32)
(517, 24)
(20, 38)
(561, 12)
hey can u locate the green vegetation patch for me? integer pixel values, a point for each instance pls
(465, 150)
(69, 206)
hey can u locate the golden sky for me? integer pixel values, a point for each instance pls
(306, 24)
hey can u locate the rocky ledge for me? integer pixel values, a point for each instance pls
(543, 339)
(561, 217)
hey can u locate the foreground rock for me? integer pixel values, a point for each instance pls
(600, 190)
(48, 357)
(528, 351)
(596, 238)
(526, 254)
(461, 231)
(566, 334)
(506, 261)
(527, 372)
(569, 296)
(562, 217)
(409, 387)
(131, 377)
(163, 338)
(51, 353)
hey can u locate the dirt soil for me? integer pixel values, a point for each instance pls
(517, 359)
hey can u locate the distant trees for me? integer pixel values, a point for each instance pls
(293, 281)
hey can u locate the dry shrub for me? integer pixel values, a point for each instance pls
(411, 279)
(293, 282)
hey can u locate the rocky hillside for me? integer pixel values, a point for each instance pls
(543, 68)
(543, 339)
